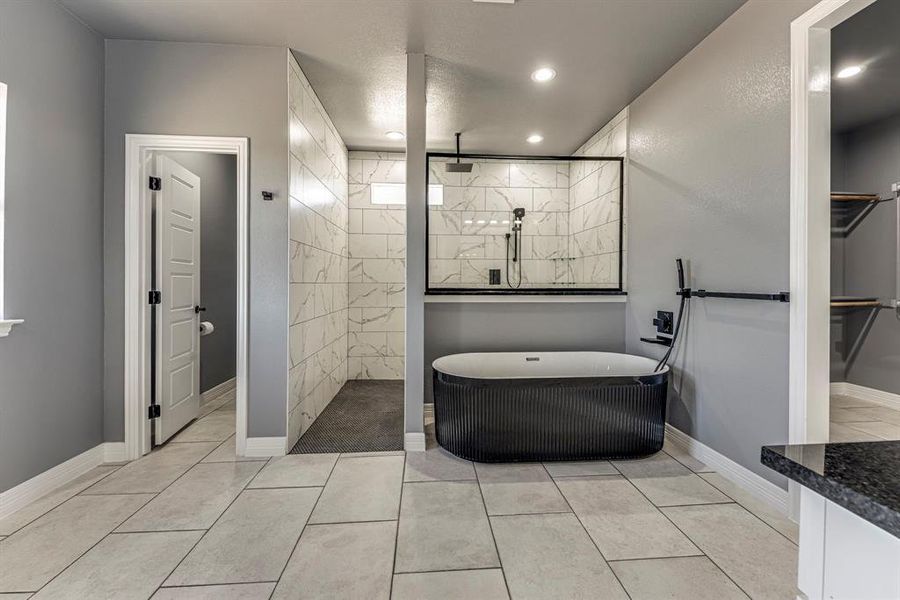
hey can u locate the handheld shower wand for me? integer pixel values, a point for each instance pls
(518, 216)
(685, 296)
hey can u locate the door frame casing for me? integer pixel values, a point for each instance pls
(138, 148)
(810, 222)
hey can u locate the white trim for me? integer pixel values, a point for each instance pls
(6, 325)
(810, 222)
(214, 392)
(845, 388)
(265, 446)
(137, 278)
(42, 484)
(114, 452)
(741, 476)
(414, 442)
(524, 299)
(3, 92)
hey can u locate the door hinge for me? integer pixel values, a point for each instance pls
(153, 411)
(155, 184)
(155, 297)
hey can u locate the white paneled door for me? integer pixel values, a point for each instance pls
(178, 314)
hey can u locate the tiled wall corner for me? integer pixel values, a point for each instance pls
(377, 269)
(319, 256)
(594, 222)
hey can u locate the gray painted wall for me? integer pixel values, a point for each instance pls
(51, 367)
(205, 89)
(870, 164)
(218, 261)
(709, 182)
(474, 327)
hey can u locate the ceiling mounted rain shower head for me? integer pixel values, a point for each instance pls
(458, 167)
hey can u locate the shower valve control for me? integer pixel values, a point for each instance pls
(664, 322)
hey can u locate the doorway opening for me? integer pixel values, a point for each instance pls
(194, 280)
(186, 291)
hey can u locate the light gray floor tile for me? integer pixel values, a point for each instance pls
(841, 432)
(883, 413)
(373, 453)
(240, 591)
(850, 402)
(436, 464)
(580, 468)
(122, 566)
(684, 458)
(881, 429)
(345, 560)
(226, 452)
(656, 465)
(252, 541)
(295, 470)
(196, 500)
(214, 427)
(225, 400)
(483, 584)
(688, 578)
(511, 489)
(39, 551)
(551, 556)
(678, 490)
(763, 510)
(667, 482)
(154, 472)
(29, 513)
(845, 415)
(757, 558)
(623, 523)
(15, 596)
(361, 489)
(443, 526)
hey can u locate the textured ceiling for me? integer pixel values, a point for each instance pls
(867, 38)
(480, 57)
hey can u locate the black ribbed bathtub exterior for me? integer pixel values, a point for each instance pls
(510, 420)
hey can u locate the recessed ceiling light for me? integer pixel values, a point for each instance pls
(543, 74)
(535, 138)
(394, 135)
(850, 71)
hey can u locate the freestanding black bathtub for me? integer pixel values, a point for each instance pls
(526, 406)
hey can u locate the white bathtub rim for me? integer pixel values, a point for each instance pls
(551, 365)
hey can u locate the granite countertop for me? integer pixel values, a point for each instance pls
(863, 477)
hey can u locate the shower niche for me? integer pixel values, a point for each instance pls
(524, 224)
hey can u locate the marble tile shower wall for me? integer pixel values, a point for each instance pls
(593, 242)
(467, 233)
(377, 269)
(320, 261)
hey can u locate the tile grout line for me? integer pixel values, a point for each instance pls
(67, 567)
(51, 509)
(306, 524)
(735, 501)
(491, 529)
(397, 528)
(691, 539)
(586, 532)
(207, 530)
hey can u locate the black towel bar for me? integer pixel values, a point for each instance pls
(778, 297)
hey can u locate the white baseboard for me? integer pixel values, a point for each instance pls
(414, 442)
(40, 485)
(266, 446)
(844, 388)
(762, 488)
(114, 452)
(213, 393)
